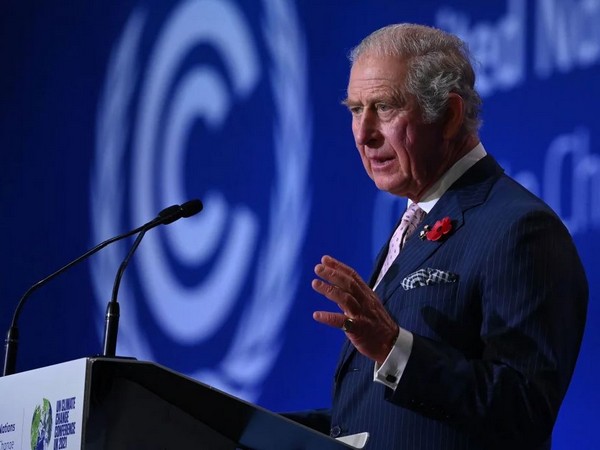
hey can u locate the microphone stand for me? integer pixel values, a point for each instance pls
(12, 337)
(166, 216)
(111, 323)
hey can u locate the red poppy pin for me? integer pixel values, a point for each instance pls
(437, 232)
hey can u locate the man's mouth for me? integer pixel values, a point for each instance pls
(381, 162)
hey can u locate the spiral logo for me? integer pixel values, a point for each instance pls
(178, 119)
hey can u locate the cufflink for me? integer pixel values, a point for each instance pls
(391, 379)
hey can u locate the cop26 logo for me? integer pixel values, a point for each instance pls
(207, 100)
(41, 426)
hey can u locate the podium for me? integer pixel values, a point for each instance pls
(113, 403)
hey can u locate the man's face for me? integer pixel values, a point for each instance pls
(402, 154)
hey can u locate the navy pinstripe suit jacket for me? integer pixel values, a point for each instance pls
(494, 350)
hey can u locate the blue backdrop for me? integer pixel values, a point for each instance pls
(111, 111)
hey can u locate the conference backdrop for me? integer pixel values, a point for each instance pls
(111, 111)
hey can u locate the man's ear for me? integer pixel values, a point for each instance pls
(455, 114)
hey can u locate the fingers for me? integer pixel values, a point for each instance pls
(338, 274)
(344, 300)
(342, 285)
(364, 319)
(334, 320)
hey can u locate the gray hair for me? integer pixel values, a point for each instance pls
(438, 63)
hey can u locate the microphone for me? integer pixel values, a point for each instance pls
(111, 322)
(166, 216)
(176, 212)
(191, 208)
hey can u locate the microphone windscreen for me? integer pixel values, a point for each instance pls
(191, 208)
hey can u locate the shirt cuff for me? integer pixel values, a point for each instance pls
(390, 372)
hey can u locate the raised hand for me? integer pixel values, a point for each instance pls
(364, 319)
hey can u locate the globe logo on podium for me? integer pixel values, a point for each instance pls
(41, 426)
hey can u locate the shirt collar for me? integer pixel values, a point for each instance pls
(440, 187)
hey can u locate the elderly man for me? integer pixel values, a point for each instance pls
(467, 333)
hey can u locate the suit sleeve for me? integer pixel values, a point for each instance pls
(532, 297)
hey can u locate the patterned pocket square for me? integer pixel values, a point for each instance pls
(427, 276)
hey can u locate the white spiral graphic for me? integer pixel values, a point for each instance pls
(189, 315)
(225, 237)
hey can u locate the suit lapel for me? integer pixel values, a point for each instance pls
(416, 251)
(469, 191)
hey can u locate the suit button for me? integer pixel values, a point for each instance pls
(335, 432)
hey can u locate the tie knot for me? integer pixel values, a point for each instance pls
(413, 214)
(411, 219)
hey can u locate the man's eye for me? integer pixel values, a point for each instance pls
(383, 107)
(355, 110)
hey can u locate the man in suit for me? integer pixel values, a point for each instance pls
(467, 334)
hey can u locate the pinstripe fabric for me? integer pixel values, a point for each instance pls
(494, 350)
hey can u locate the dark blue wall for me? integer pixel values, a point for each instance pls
(110, 111)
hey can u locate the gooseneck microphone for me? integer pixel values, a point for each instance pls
(166, 216)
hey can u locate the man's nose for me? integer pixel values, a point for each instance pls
(366, 131)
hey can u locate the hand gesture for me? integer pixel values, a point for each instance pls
(366, 322)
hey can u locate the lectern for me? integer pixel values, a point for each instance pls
(114, 404)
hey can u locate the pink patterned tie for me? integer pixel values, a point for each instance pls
(409, 223)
